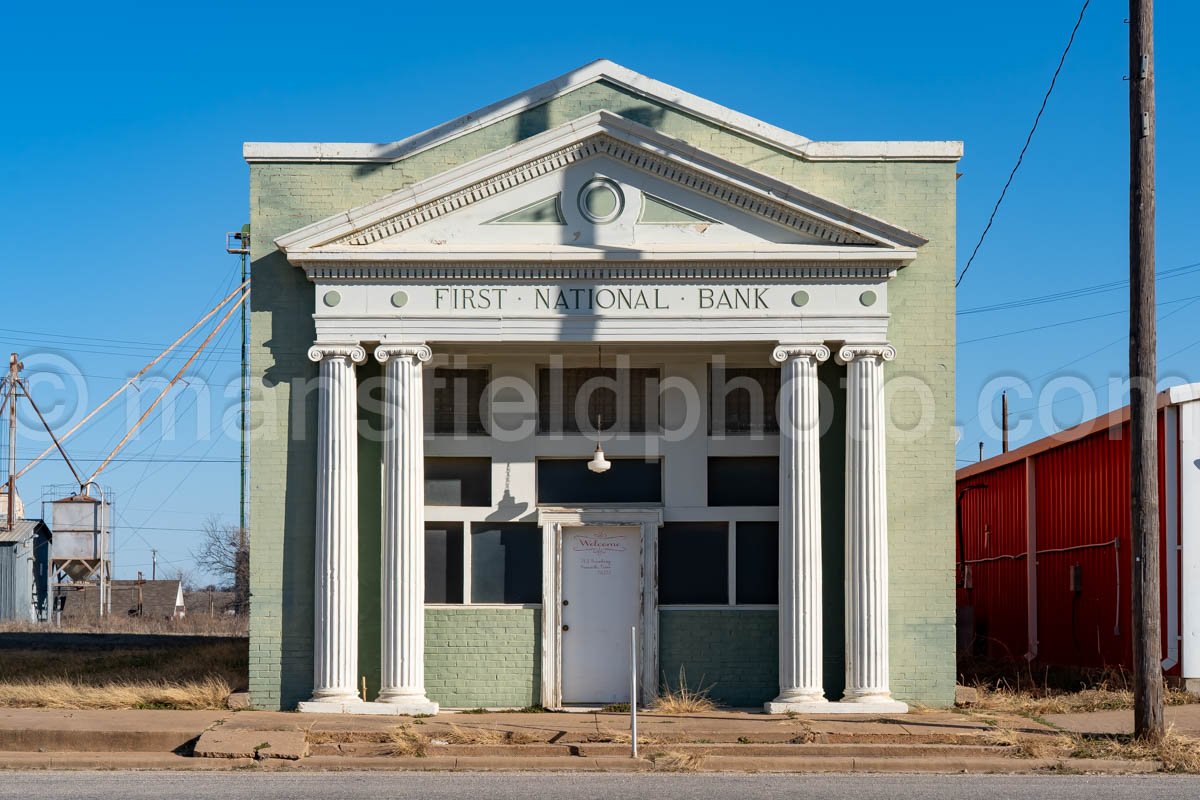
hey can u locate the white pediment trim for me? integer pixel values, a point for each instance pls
(362, 234)
(636, 83)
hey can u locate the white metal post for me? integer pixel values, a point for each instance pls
(633, 690)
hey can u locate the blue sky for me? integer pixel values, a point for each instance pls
(122, 170)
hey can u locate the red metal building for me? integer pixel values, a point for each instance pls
(1044, 550)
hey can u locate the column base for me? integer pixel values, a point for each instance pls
(359, 707)
(865, 706)
(407, 703)
(797, 704)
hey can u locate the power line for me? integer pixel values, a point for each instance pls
(1068, 322)
(1053, 80)
(1071, 294)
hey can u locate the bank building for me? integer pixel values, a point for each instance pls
(602, 367)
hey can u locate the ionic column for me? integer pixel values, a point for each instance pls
(403, 587)
(800, 631)
(866, 528)
(335, 641)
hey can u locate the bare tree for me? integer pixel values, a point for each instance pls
(225, 551)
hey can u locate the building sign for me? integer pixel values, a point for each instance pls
(586, 298)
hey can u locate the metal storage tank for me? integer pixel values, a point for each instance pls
(24, 571)
(81, 532)
(1044, 544)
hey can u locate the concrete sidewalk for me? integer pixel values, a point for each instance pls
(1186, 720)
(934, 741)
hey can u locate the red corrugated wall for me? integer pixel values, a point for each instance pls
(1082, 506)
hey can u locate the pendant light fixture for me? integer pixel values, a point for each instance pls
(599, 464)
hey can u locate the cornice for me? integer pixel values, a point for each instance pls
(693, 270)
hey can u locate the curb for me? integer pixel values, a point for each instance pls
(790, 764)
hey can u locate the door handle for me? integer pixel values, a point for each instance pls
(566, 627)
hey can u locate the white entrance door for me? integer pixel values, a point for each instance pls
(601, 595)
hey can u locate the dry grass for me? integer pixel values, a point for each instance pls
(610, 736)
(191, 625)
(1039, 702)
(1177, 753)
(682, 699)
(471, 735)
(206, 693)
(676, 761)
(404, 741)
(185, 675)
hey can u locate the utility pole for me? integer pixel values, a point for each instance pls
(153, 564)
(14, 381)
(1004, 421)
(1143, 379)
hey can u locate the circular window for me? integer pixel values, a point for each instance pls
(601, 200)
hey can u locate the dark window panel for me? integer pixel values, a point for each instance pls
(629, 480)
(743, 481)
(457, 399)
(444, 562)
(458, 481)
(693, 563)
(506, 563)
(757, 563)
(559, 390)
(743, 400)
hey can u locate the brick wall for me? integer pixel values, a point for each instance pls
(732, 654)
(483, 657)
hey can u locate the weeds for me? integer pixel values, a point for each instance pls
(676, 761)
(405, 742)
(682, 699)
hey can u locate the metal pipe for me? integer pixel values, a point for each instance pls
(103, 535)
(633, 687)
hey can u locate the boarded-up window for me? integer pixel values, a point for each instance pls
(458, 481)
(756, 563)
(591, 398)
(693, 563)
(569, 481)
(743, 481)
(743, 400)
(444, 562)
(506, 563)
(458, 399)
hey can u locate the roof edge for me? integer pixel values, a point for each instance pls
(1167, 397)
(601, 69)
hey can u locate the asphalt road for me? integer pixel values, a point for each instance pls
(585, 786)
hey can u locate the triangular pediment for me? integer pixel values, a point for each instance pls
(600, 188)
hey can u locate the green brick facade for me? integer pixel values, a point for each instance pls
(916, 195)
(483, 657)
(733, 655)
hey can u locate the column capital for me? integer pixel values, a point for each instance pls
(385, 352)
(323, 350)
(852, 352)
(785, 351)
